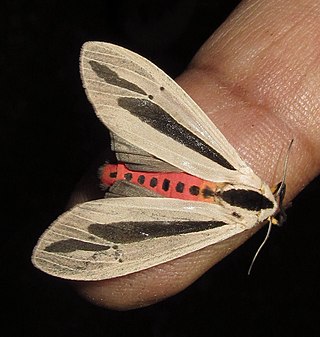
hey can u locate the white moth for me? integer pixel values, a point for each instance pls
(155, 127)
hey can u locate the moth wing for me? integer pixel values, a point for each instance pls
(108, 238)
(141, 104)
(136, 159)
(123, 188)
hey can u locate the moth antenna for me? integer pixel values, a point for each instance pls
(285, 169)
(281, 190)
(280, 193)
(260, 247)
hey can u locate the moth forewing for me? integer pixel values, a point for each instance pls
(113, 237)
(117, 87)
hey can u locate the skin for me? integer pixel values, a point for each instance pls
(258, 79)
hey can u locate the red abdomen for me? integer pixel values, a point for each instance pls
(178, 185)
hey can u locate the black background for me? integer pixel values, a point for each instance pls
(49, 137)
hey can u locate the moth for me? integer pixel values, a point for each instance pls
(179, 186)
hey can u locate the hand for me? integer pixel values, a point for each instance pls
(257, 78)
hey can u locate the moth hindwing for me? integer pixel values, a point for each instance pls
(192, 189)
